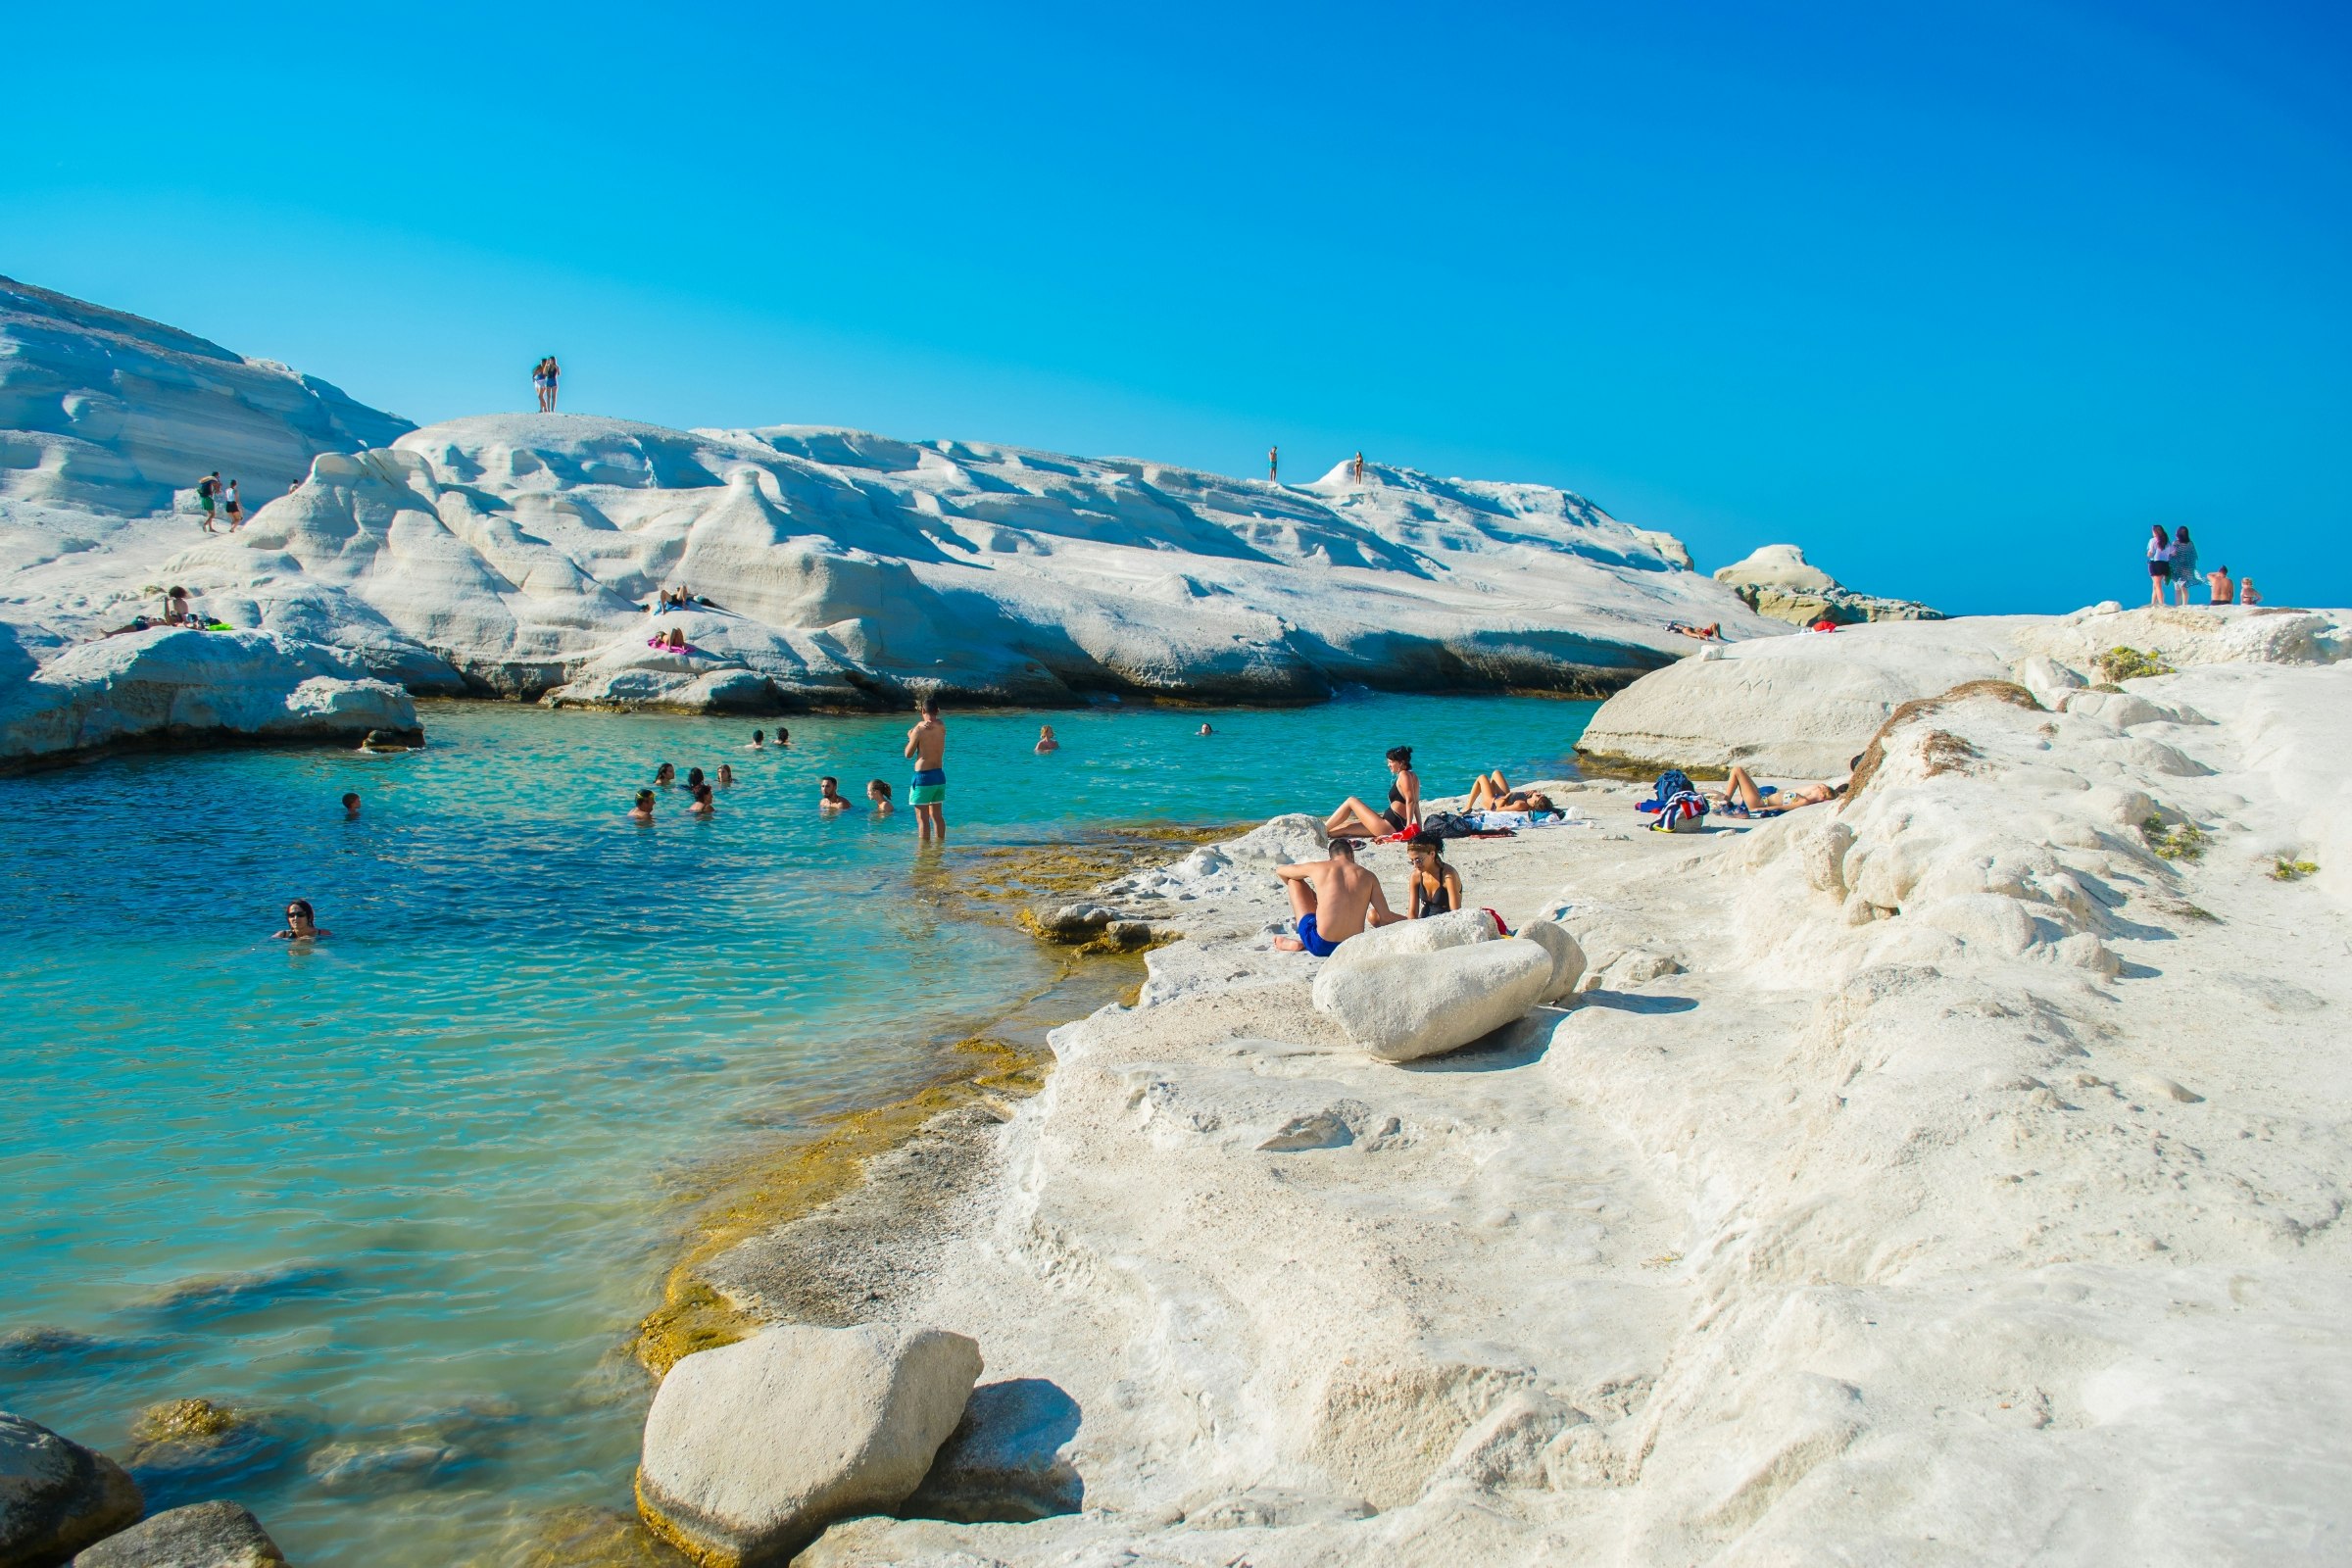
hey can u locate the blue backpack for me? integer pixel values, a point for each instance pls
(1680, 808)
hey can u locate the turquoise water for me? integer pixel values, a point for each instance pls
(410, 1190)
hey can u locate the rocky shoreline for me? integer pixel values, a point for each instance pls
(1950, 1170)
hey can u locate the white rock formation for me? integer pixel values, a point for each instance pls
(1803, 706)
(1401, 1009)
(1965, 1161)
(753, 1448)
(1777, 580)
(517, 554)
(184, 686)
(103, 410)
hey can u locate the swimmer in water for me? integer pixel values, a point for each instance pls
(665, 775)
(644, 812)
(703, 805)
(828, 795)
(783, 737)
(1205, 730)
(726, 776)
(1045, 739)
(878, 792)
(351, 806)
(759, 741)
(301, 924)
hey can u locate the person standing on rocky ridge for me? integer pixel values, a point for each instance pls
(2183, 564)
(555, 373)
(237, 508)
(1359, 470)
(2160, 565)
(927, 744)
(1331, 900)
(207, 496)
(1274, 465)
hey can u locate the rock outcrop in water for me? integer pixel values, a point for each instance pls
(203, 1534)
(181, 686)
(1777, 580)
(56, 1496)
(517, 554)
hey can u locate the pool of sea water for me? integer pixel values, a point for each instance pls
(410, 1190)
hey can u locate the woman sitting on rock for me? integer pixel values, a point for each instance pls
(1433, 886)
(1492, 792)
(1356, 820)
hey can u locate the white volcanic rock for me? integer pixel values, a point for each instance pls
(103, 409)
(515, 553)
(753, 1448)
(177, 684)
(1777, 580)
(2006, 1214)
(1801, 707)
(1404, 1008)
(1413, 939)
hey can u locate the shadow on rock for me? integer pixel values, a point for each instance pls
(1629, 1001)
(1003, 1462)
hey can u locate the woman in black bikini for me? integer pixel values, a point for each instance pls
(1433, 887)
(1356, 820)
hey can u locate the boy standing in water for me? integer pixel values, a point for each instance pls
(927, 744)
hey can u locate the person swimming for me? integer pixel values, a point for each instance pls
(703, 805)
(1356, 820)
(351, 805)
(759, 741)
(783, 737)
(1045, 739)
(726, 776)
(665, 775)
(828, 795)
(878, 792)
(1205, 730)
(694, 779)
(644, 810)
(302, 925)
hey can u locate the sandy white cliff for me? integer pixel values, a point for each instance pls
(1955, 1175)
(518, 554)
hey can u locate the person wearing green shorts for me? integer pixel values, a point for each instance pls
(927, 747)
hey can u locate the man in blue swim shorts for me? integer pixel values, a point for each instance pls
(927, 746)
(1333, 899)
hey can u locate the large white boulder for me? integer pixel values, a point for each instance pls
(1790, 707)
(752, 1450)
(56, 1496)
(177, 684)
(1408, 938)
(1567, 957)
(1423, 1004)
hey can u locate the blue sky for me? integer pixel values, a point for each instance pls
(1961, 300)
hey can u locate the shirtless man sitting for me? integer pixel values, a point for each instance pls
(1333, 901)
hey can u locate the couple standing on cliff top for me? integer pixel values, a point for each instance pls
(544, 375)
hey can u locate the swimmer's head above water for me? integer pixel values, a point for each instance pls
(302, 924)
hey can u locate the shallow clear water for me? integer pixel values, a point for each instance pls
(412, 1189)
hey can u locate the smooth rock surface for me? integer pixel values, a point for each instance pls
(1456, 928)
(1005, 1459)
(1777, 580)
(753, 1448)
(56, 1496)
(203, 1534)
(1405, 1009)
(518, 554)
(1567, 957)
(175, 684)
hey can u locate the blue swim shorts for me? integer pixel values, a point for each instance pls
(1313, 939)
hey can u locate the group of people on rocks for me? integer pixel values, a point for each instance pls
(218, 498)
(2173, 563)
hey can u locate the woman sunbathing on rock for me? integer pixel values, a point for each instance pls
(1492, 792)
(1356, 820)
(1743, 796)
(1433, 887)
(1711, 632)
